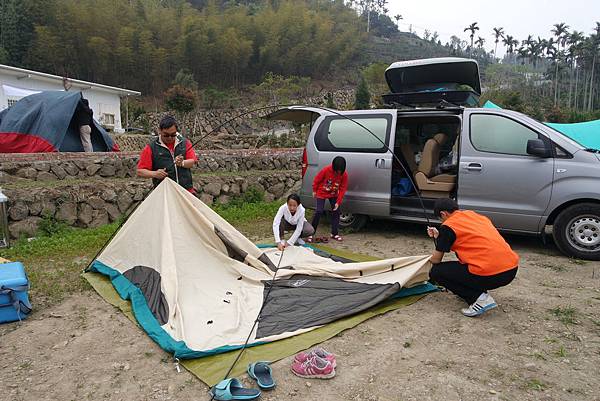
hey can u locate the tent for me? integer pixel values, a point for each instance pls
(586, 133)
(43, 122)
(196, 284)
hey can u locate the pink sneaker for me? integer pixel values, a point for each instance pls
(318, 351)
(314, 368)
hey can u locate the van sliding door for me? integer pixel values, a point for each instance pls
(363, 140)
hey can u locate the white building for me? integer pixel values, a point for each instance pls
(105, 101)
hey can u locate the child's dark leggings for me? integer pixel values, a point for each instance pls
(335, 215)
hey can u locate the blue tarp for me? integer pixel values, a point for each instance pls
(585, 133)
(45, 122)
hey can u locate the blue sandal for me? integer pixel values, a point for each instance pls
(232, 389)
(262, 373)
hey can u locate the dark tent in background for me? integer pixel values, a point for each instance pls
(45, 122)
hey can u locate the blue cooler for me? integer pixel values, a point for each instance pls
(14, 302)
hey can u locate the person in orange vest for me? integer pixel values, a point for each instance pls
(485, 260)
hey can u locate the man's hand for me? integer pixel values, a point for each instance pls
(433, 232)
(282, 245)
(179, 161)
(314, 194)
(335, 207)
(160, 174)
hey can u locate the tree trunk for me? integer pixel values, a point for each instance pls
(590, 102)
(585, 91)
(576, 82)
(556, 83)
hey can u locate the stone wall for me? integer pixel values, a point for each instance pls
(97, 202)
(60, 166)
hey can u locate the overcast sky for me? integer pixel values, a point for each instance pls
(519, 18)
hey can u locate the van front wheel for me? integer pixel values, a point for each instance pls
(576, 231)
(353, 221)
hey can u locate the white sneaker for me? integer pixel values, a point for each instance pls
(484, 303)
(300, 241)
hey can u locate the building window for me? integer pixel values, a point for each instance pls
(108, 119)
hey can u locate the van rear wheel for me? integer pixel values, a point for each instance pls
(576, 231)
(353, 221)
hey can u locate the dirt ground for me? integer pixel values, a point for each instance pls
(542, 343)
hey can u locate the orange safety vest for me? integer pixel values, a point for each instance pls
(479, 245)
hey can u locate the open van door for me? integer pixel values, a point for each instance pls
(431, 81)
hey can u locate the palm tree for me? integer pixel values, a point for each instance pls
(523, 54)
(498, 33)
(472, 28)
(560, 31)
(480, 42)
(576, 40)
(593, 49)
(510, 44)
(398, 17)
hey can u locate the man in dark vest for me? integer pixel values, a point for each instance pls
(170, 155)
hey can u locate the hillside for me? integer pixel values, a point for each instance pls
(404, 46)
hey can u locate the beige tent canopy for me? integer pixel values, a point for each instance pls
(197, 285)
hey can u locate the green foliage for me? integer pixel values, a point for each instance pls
(214, 97)
(252, 195)
(295, 139)
(565, 314)
(4, 57)
(142, 44)
(330, 102)
(279, 89)
(49, 226)
(362, 99)
(185, 79)
(180, 99)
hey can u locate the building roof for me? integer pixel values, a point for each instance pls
(42, 76)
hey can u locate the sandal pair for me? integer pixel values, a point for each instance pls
(318, 240)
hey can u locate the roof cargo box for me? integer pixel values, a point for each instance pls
(430, 81)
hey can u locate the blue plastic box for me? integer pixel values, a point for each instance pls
(14, 287)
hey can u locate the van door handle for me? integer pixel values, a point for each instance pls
(380, 163)
(474, 167)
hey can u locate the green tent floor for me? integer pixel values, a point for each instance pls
(211, 369)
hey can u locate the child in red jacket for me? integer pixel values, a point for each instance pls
(330, 183)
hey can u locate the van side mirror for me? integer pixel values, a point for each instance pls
(539, 148)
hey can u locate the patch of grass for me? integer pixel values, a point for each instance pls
(596, 322)
(539, 355)
(535, 384)
(55, 259)
(148, 354)
(551, 266)
(550, 340)
(561, 352)
(566, 315)
(578, 262)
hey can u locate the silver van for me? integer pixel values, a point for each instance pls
(522, 174)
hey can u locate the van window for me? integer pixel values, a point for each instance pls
(346, 135)
(498, 134)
